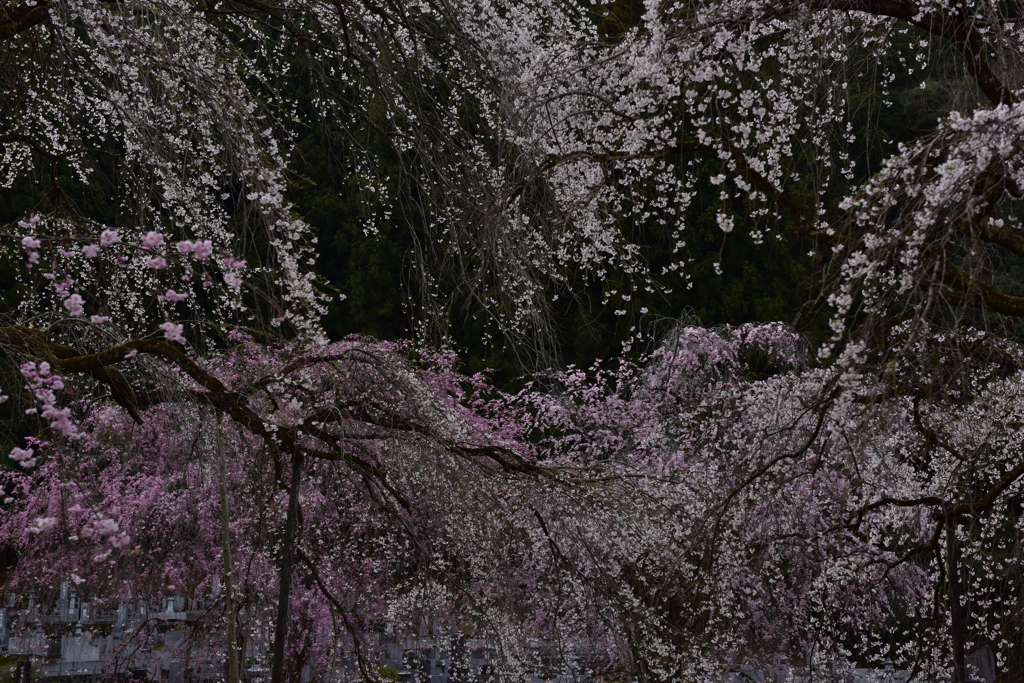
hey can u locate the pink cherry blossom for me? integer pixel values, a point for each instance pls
(151, 239)
(42, 524)
(75, 305)
(173, 332)
(202, 250)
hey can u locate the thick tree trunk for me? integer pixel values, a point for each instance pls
(229, 586)
(287, 556)
(957, 619)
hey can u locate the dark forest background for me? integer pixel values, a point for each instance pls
(372, 269)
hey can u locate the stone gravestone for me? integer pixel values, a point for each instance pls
(73, 606)
(174, 640)
(23, 671)
(62, 601)
(4, 632)
(747, 674)
(175, 672)
(122, 618)
(981, 665)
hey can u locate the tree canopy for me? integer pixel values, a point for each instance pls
(213, 208)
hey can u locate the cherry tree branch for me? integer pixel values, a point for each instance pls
(16, 17)
(958, 28)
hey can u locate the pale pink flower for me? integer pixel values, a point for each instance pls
(75, 305)
(61, 421)
(105, 527)
(152, 239)
(202, 250)
(62, 287)
(20, 454)
(42, 524)
(173, 332)
(120, 540)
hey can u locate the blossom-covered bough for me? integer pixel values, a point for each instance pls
(421, 502)
(924, 330)
(724, 500)
(355, 404)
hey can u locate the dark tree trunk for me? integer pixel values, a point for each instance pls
(230, 615)
(287, 556)
(957, 618)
